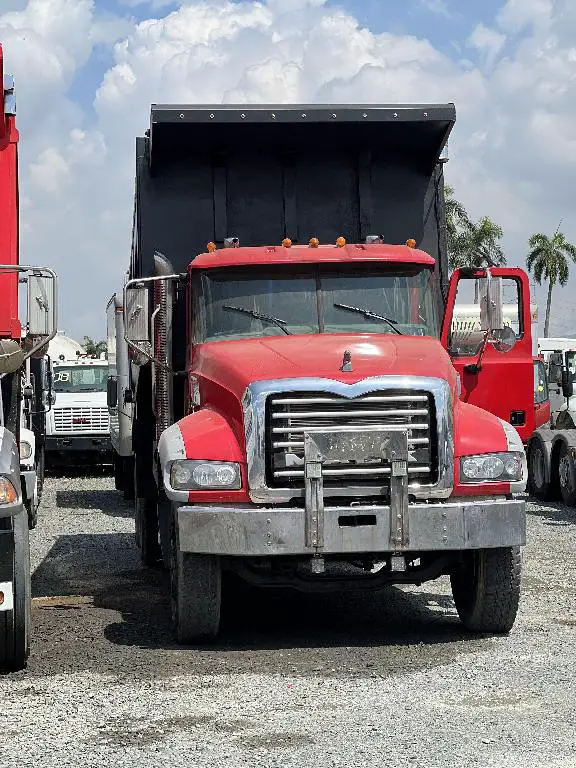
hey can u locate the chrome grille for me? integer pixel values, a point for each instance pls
(81, 419)
(290, 415)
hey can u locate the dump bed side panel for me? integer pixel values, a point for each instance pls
(202, 178)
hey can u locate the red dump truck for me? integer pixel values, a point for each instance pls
(19, 342)
(304, 413)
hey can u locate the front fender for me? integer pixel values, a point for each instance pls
(202, 435)
(10, 468)
(477, 432)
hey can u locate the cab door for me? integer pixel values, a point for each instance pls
(541, 397)
(487, 333)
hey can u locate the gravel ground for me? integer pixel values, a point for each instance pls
(375, 680)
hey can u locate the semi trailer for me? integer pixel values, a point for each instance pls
(551, 449)
(304, 411)
(21, 340)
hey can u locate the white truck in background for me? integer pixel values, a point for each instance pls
(77, 426)
(119, 398)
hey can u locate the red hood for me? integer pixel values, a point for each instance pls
(235, 364)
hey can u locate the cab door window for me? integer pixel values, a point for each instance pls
(471, 320)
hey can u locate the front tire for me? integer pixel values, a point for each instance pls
(567, 475)
(15, 625)
(539, 480)
(486, 589)
(146, 516)
(195, 591)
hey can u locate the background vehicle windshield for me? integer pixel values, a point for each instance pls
(247, 304)
(75, 378)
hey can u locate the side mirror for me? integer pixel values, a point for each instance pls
(136, 315)
(42, 305)
(555, 368)
(504, 340)
(136, 322)
(491, 303)
(567, 384)
(112, 392)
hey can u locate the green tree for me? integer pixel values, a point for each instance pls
(549, 259)
(479, 246)
(456, 222)
(94, 347)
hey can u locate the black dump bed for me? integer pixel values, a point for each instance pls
(268, 172)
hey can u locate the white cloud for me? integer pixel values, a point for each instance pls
(489, 42)
(437, 6)
(513, 153)
(50, 172)
(156, 4)
(515, 15)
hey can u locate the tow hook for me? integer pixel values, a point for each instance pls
(317, 564)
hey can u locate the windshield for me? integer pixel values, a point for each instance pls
(76, 378)
(246, 304)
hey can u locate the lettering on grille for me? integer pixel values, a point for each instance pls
(290, 415)
(78, 419)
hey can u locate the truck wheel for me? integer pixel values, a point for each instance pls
(486, 589)
(146, 521)
(31, 507)
(15, 624)
(567, 475)
(128, 473)
(118, 473)
(195, 591)
(40, 470)
(539, 483)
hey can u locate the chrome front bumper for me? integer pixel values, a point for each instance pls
(260, 531)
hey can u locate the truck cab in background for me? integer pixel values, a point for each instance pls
(302, 399)
(78, 426)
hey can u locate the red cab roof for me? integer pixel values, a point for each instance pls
(304, 254)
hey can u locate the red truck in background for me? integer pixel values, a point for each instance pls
(300, 399)
(19, 342)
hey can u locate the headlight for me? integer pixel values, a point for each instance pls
(189, 475)
(25, 449)
(497, 467)
(8, 493)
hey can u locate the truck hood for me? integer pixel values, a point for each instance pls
(233, 365)
(81, 400)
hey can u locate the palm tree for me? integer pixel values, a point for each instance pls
(456, 221)
(548, 259)
(94, 347)
(478, 244)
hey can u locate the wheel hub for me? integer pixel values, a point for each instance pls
(565, 470)
(537, 463)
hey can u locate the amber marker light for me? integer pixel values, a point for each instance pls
(341, 242)
(314, 242)
(287, 243)
(7, 492)
(211, 247)
(411, 243)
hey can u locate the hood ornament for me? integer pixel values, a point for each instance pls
(347, 362)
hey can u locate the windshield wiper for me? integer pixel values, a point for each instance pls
(259, 316)
(371, 316)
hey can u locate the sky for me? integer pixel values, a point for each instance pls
(87, 71)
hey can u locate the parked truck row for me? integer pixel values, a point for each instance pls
(288, 395)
